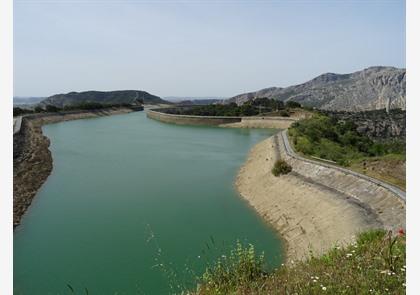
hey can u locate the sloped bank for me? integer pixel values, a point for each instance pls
(32, 161)
(221, 121)
(314, 207)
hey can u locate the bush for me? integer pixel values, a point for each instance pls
(281, 167)
(338, 140)
(52, 109)
(38, 109)
(293, 104)
(284, 113)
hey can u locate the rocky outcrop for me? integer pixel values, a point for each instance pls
(377, 125)
(370, 89)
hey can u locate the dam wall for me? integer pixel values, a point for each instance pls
(251, 122)
(160, 115)
(386, 201)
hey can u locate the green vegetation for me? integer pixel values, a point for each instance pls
(374, 264)
(281, 167)
(53, 109)
(338, 140)
(250, 108)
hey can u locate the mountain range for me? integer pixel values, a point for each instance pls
(369, 89)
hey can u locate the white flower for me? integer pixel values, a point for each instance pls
(316, 278)
(314, 281)
(349, 255)
(324, 288)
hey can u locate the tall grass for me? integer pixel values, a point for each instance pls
(374, 264)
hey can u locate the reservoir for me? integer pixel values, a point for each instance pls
(136, 206)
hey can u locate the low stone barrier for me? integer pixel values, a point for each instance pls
(159, 115)
(385, 200)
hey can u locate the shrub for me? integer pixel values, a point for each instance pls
(284, 113)
(293, 104)
(38, 109)
(281, 167)
(52, 108)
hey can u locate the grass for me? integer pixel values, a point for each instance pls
(374, 264)
(389, 168)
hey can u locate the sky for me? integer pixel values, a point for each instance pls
(198, 48)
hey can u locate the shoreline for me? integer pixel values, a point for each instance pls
(32, 160)
(309, 218)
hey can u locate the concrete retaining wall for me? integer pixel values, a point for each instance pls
(387, 201)
(161, 115)
(157, 114)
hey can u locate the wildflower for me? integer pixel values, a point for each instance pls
(401, 232)
(403, 284)
(316, 278)
(402, 269)
(199, 256)
(314, 281)
(349, 255)
(324, 288)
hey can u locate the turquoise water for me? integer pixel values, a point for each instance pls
(127, 195)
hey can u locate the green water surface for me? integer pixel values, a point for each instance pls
(135, 206)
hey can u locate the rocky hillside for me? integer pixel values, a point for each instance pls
(108, 97)
(370, 89)
(377, 125)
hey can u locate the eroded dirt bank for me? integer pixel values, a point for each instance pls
(309, 217)
(32, 161)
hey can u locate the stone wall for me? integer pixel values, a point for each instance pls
(157, 114)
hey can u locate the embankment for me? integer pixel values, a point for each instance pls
(314, 207)
(224, 121)
(32, 161)
(160, 115)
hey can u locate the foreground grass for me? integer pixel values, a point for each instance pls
(374, 264)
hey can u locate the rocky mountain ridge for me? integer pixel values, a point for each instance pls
(369, 89)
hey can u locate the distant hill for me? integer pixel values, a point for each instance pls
(195, 99)
(370, 89)
(198, 101)
(26, 101)
(103, 97)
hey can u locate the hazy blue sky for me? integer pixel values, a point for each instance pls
(209, 48)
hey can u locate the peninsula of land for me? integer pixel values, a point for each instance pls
(311, 217)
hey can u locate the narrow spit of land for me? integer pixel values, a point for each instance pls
(32, 161)
(307, 216)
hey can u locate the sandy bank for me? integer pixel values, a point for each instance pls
(32, 161)
(308, 216)
(260, 123)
